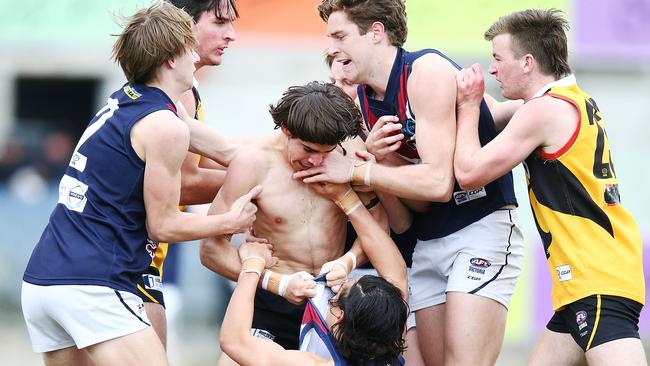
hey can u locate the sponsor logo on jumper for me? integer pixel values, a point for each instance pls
(261, 333)
(151, 247)
(131, 93)
(78, 161)
(461, 197)
(612, 196)
(564, 273)
(72, 193)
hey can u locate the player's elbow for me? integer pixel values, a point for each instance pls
(400, 226)
(161, 234)
(440, 191)
(468, 181)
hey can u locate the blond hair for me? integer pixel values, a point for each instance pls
(150, 37)
(540, 32)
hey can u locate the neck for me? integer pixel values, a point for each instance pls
(538, 83)
(172, 90)
(379, 71)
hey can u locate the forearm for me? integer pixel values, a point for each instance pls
(379, 248)
(467, 144)
(219, 256)
(202, 186)
(236, 326)
(208, 142)
(178, 226)
(422, 182)
(400, 217)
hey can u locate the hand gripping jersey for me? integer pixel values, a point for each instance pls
(315, 335)
(592, 242)
(96, 234)
(465, 207)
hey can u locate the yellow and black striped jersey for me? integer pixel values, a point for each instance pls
(592, 242)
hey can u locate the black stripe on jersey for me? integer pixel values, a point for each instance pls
(119, 296)
(512, 226)
(555, 187)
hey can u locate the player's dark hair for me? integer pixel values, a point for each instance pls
(540, 32)
(197, 7)
(318, 112)
(372, 327)
(391, 13)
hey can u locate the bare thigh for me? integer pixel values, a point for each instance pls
(224, 360)
(625, 351)
(412, 355)
(431, 330)
(142, 348)
(558, 349)
(67, 356)
(158, 320)
(475, 319)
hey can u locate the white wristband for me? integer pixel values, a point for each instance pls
(252, 270)
(366, 176)
(284, 283)
(354, 260)
(265, 280)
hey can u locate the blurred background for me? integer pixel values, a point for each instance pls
(55, 73)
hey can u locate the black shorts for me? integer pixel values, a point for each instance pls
(277, 319)
(598, 319)
(149, 286)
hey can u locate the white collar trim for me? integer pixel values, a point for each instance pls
(565, 81)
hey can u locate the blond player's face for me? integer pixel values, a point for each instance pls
(507, 68)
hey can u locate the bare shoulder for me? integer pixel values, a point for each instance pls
(163, 124)
(433, 64)
(547, 109)
(253, 161)
(432, 78)
(160, 130)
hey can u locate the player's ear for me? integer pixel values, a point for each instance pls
(378, 31)
(285, 130)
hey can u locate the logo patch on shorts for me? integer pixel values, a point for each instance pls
(480, 262)
(581, 319)
(564, 273)
(152, 282)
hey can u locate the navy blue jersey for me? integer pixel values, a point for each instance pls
(465, 207)
(97, 233)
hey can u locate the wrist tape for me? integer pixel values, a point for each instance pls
(360, 173)
(278, 283)
(253, 264)
(349, 202)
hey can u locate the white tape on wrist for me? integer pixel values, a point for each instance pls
(366, 176)
(354, 260)
(252, 270)
(284, 283)
(265, 280)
